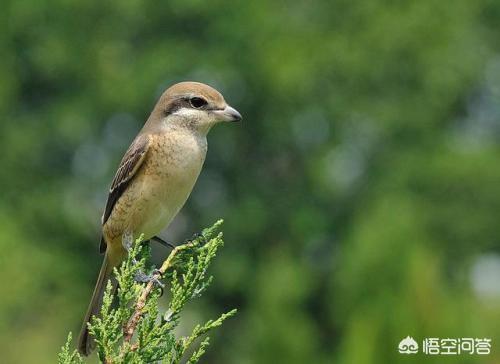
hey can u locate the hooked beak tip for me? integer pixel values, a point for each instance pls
(230, 114)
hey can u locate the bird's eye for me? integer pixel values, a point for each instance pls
(197, 102)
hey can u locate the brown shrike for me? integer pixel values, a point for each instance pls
(156, 176)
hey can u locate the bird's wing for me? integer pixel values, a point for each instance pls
(130, 164)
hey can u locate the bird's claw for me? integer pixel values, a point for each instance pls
(142, 277)
(196, 236)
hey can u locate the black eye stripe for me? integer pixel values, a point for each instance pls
(186, 102)
(197, 102)
(175, 105)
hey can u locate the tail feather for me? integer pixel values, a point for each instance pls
(85, 342)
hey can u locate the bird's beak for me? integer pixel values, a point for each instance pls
(228, 114)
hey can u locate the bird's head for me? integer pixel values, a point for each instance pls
(193, 105)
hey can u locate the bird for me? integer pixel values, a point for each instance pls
(156, 176)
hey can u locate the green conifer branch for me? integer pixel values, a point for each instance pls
(133, 330)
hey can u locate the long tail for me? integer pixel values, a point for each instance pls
(85, 342)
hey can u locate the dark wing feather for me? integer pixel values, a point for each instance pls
(130, 164)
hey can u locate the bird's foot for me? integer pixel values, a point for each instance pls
(142, 277)
(196, 236)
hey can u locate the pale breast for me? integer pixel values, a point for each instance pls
(161, 186)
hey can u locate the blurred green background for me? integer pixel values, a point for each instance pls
(361, 193)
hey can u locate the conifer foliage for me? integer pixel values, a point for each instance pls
(132, 328)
